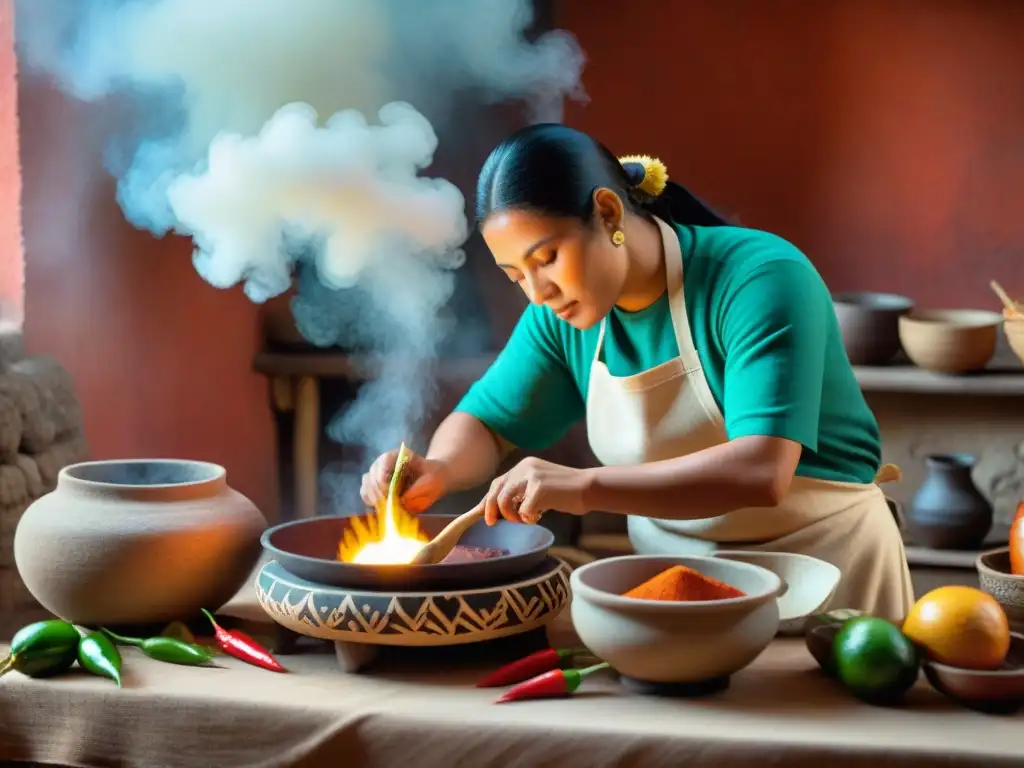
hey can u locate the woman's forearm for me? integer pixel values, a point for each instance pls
(747, 472)
(469, 451)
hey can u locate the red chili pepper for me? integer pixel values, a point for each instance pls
(241, 646)
(553, 684)
(529, 666)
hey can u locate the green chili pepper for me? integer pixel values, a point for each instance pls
(167, 649)
(42, 649)
(98, 654)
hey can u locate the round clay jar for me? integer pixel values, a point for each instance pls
(137, 542)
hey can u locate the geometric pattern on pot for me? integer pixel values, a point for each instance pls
(413, 619)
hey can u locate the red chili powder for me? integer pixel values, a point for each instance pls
(683, 584)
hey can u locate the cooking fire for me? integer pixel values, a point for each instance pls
(393, 536)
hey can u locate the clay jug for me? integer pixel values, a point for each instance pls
(137, 542)
(948, 511)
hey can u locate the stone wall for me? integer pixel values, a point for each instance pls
(40, 433)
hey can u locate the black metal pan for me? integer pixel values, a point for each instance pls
(308, 549)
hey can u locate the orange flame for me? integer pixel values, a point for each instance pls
(391, 537)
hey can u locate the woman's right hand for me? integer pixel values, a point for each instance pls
(424, 482)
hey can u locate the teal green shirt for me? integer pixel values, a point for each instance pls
(765, 331)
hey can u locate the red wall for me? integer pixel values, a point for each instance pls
(11, 263)
(884, 137)
(161, 360)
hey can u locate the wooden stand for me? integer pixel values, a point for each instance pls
(295, 380)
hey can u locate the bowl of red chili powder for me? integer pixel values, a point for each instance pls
(675, 619)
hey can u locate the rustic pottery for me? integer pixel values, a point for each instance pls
(677, 647)
(413, 619)
(137, 542)
(1008, 590)
(948, 511)
(950, 340)
(807, 584)
(869, 324)
(998, 691)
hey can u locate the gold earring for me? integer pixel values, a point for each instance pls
(618, 238)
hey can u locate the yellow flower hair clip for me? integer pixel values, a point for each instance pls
(655, 173)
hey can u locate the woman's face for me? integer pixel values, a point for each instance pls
(575, 270)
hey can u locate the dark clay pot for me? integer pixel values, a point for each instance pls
(869, 324)
(948, 511)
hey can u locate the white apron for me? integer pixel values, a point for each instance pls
(669, 411)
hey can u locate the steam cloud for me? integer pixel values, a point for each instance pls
(289, 137)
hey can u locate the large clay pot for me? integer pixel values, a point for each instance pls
(135, 542)
(948, 511)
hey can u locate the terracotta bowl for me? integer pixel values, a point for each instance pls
(807, 584)
(1013, 327)
(869, 323)
(1008, 590)
(659, 642)
(950, 340)
(998, 691)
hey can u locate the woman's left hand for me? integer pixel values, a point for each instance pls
(533, 487)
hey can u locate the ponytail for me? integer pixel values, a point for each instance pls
(553, 169)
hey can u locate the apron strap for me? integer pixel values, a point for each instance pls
(673, 256)
(677, 297)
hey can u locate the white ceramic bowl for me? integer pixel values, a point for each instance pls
(807, 584)
(674, 642)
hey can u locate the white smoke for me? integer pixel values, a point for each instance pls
(287, 133)
(348, 182)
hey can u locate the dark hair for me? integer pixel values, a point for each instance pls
(553, 169)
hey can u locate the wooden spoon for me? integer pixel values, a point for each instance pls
(442, 544)
(1014, 306)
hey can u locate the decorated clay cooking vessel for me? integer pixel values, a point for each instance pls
(418, 618)
(674, 642)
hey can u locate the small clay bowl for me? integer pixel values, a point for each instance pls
(995, 578)
(996, 692)
(869, 324)
(950, 340)
(808, 584)
(674, 644)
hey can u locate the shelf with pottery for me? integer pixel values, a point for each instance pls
(896, 347)
(1003, 377)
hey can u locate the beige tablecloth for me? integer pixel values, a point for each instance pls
(780, 711)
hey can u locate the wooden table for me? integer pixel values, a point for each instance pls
(779, 711)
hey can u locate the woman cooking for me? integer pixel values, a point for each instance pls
(705, 358)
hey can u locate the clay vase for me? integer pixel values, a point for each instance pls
(948, 511)
(137, 542)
